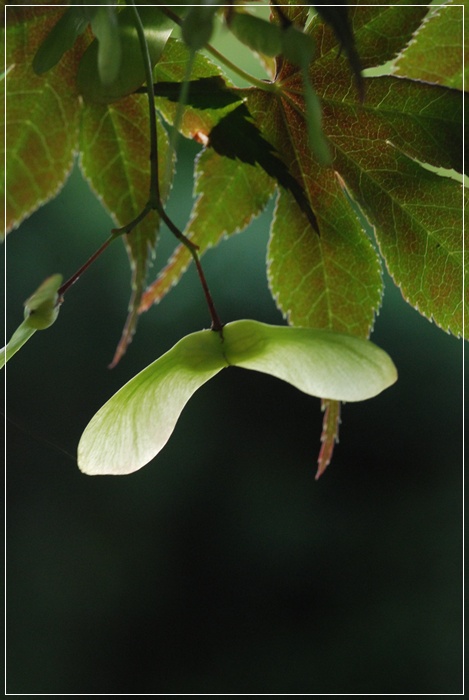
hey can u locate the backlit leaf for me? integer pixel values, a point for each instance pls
(338, 19)
(417, 214)
(328, 281)
(380, 31)
(376, 147)
(259, 35)
(434, 54)
(115, 146)
(229, 194)
(197, 27)
(42, 115)
(209, 96)
(98, 88)
(60, 39)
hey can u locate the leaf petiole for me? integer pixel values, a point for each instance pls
(265, 85)
(115, 233)
(76, 275)
(154, 201)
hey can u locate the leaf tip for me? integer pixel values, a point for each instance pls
(330, 434)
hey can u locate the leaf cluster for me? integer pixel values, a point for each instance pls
(360, 116)
(63, 97)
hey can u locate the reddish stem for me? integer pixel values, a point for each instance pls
(84, 267)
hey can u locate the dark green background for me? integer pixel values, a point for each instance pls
(223, 567)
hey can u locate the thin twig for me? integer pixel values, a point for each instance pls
(154, 195)
(75, 277)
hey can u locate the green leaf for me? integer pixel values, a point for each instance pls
(237, 137)
(115, 145)
(105, 26)
(259, 35)
(380, 31)
(338, 19)
(136, 423)
(297, 47)
(419, 233)
(132, 72)
(328, 281)
(42, 115)
(229, 194)
(209, 96)
(434, 54)
(40, 311)
(197, 27)
(417, 214)
(60, 39)
(377, 150)
(423, 121)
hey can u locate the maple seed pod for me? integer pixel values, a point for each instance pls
(40, 312)
(318, 362)
(42, 308)
(136, 423)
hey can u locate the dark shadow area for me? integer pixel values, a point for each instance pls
(223, 567)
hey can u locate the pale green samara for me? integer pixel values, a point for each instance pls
(40, 311)
(136, 423)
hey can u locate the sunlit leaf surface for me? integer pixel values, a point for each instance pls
(434, 54)
(115, 146)
(42, 115)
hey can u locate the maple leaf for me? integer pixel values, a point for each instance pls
(47, 125)
(41, 115)
(114, 148)
(382, 141)
(434, 54)
(376, 148)
(379, 147)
